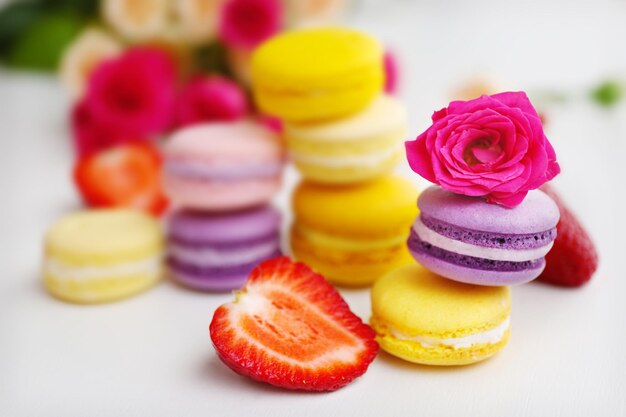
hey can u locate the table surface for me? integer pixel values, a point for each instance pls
(151, 355)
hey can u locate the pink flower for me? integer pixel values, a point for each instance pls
(493, 146)
(133, 93)
(391, 72)
(274, 124)
(247, 23)
(210, 99)
(91, 136)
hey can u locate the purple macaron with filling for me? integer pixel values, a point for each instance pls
(217, 252)
(468, 240)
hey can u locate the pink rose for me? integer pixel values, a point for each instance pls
(210, 99)
(91, 136)
(493, 146)
(247, 23)
(391, 72)
(134, 93)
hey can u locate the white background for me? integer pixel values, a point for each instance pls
(151, 355)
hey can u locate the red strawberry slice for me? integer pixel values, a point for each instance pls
(290, 328)
(573, 259)
(123, 176)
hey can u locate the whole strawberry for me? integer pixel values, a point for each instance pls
(573, 258)
(290, 328)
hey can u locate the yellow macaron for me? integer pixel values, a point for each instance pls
(424, 318)
(316, 74)
(95, 256)
(352, 234)
(356, 148)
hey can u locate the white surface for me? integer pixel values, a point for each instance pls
(151, 355)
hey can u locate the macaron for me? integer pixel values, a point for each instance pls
(102, 255)
(217, 252)
(317, 73)
(360, 147)
(468, 240)
(222, 166)
(421, 317)
(353, 234)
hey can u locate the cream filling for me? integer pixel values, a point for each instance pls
(330, 241)
(491, 336)
(329, 161)
(216, 257)
(62, 271)
(495, 254)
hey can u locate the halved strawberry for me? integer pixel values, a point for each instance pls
(573, 259)
(123, 176)
(290, 327)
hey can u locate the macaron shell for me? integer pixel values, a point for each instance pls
(438, 355)
(317, 74)
(239, 226)
(100, 290)
(220, 196)
(380, 208)
(319, 57)
(349, 173)
(413, 300)
(103, 237)
(348, 267)
(226, 143)
(383, 115)
(536, 213)
(477, 276)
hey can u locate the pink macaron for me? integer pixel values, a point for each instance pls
(222, 166)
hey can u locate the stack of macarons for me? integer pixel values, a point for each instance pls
(483, 228)
(220, 178)
(345, 136)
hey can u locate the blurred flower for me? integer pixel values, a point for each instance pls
(391, 72)
(315, 12)
(91, 135)
(134, 93)
(137, 20)
(197, 19)
(85, 53)
(210, 99)
(247, 23)
(239, 63)
(493, 146)
(274, 124)
(474, 88)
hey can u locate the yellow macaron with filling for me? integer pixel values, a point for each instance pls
(315, 74)
(356, 148)
(353, 234)
(421, 317)
(95, 256)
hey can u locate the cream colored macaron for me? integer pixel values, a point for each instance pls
(361, 147)
(94, 256)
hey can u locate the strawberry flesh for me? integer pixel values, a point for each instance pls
(289, 327)
(573, 259)
(123, 176)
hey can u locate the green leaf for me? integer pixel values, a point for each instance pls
(608, 93)
(15, 18)
(41, 45)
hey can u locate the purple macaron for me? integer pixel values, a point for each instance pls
(217, 252)
(468, 240)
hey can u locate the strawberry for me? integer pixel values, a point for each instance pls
(573, 259)
(289, 327)
(127, 175)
